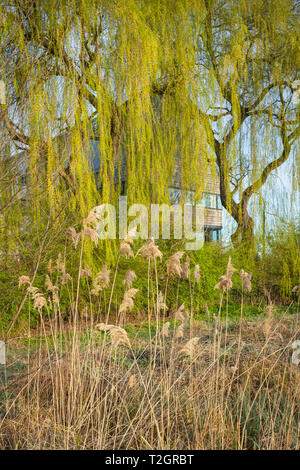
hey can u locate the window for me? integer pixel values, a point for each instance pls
(175, 194)
(212, 235)
(189, 197)
(209, 200)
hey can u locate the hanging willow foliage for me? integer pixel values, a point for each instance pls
(211, 82)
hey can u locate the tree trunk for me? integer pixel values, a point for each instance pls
(244, 234)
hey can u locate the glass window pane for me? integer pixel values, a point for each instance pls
(205, 199)
(213, 201)
(174, 195)
(189, 197)
(214, 235)
(209, 200)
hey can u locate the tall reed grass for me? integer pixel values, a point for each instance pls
(95, 381)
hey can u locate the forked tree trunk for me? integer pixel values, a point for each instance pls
(244, 234)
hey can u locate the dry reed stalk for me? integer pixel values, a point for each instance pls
(268, 323)
(132, 382)
(225, 282)
(50, 267)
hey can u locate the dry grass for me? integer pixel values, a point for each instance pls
(181, 384)
(230, 390)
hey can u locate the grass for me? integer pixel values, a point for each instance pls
(240, 391)
(226, 382)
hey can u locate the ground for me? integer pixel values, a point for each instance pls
(65, 386)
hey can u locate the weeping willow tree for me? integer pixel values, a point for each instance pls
(213, 81)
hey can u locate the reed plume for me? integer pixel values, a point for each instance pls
(165, 329)
(182, 315)
(60, 265)
(207, 310)
(38, 298)
(91, 234)
(73, 236)
(190, 348)
(161, 303)
(55, 297)
(101, 281)
(52, 288)
(246, 280)
(230, 269)
(173, 264)
(127, 302)
(92, 218)
(49, 285)
(150, 250)
(125, 245)
(84, 312)
(118, 335)
(104, 326)
(125, 249)
(23, 281)
(50, 267)
(85, 271)
(130, 276)
(225, 282)
(179, 332)
(197, 275)
(185, 271)
(66, 277)
(39, 301)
